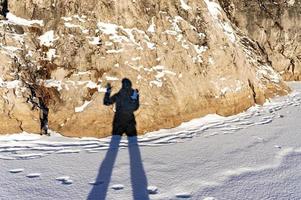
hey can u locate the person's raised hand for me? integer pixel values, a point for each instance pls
(109, 87)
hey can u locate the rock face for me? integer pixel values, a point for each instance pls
(187, 58)
(275, 26)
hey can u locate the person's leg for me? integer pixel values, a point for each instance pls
(41, 126)
(44, 124)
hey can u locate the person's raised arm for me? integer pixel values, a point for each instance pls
(108, 100)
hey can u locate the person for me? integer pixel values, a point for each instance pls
(126, 103)
(44, 110)
(4, 7)
(40, 100)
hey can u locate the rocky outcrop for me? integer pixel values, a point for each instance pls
(187, 58)
(275, 26)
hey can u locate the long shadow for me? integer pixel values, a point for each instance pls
(127, 102)
(138, 176)
(101, 185)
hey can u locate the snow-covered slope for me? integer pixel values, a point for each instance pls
(254, 155)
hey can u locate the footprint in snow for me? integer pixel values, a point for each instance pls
(15, 171)
(64, 180)
(96, 182)
(152, 189)
(183, 195)
(277, 146)
(67, 182)
(33, 175)
(117, 187)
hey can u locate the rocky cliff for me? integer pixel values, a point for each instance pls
(187, 58)
(275, 26)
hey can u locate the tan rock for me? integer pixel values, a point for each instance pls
(186, 63)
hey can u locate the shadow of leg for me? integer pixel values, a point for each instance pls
(100, 188)
(138, 176)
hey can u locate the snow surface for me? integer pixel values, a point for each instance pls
(253, 155)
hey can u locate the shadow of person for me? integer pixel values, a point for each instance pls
(138, 176)
(101, 184)
(126, 102)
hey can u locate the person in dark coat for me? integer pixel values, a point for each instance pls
(44, 110)
(126, 103)
(4, 7)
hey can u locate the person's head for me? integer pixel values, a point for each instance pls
(126, 84)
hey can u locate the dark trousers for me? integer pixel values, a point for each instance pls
(44, 121)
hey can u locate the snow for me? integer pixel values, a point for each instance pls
(14, 171)
(115, 51)
(94, 41)
(253, 155)
(111, 78)
(21, 21)
(184, 5)
(216, 11)
(152, 27)
(9, 49)
(51, 54)
(161, 72)
(107, 28)
(67, 19)
(9, 84)
(229, 31)
(83, 107)
(126, 36)
(268, 71)
(53, 83)
(291, 2)
(47, 38)
(70, 25)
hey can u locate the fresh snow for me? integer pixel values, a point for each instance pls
(9, 84)
(82, 108)
(94, 40)
(51, 54)
(53, 83)
(111, 78)
(21, 21)
(47, 38)
(216, 11)
(184, 5)
(253, 155)
(152, 27)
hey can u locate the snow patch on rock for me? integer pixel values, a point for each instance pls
(47, 39)
(83, 107)
(21, 21)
